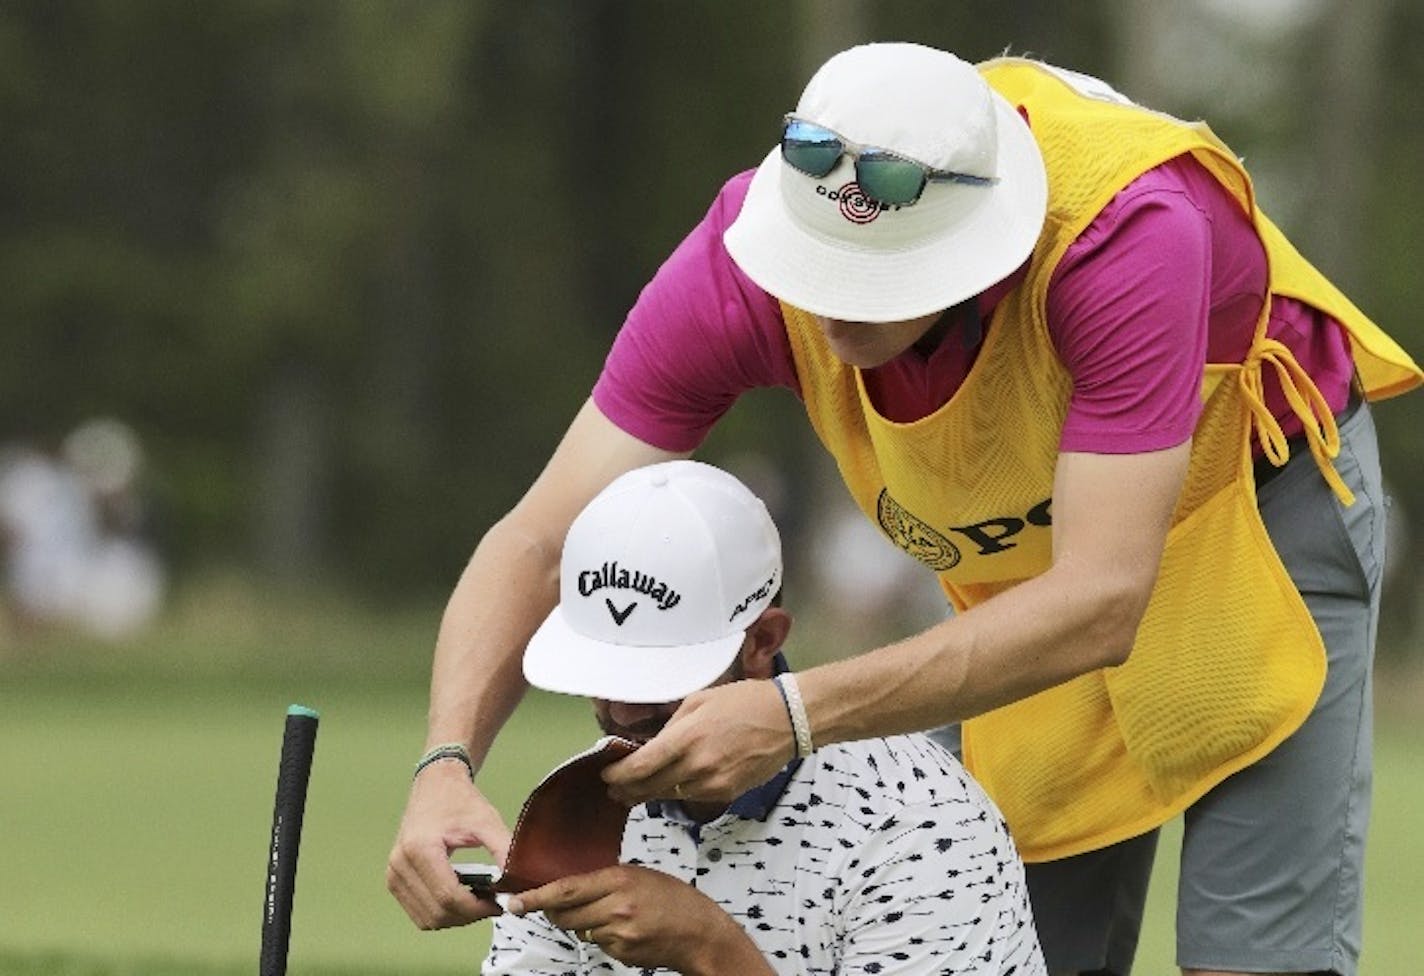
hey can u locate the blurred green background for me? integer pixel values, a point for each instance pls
(346, 269)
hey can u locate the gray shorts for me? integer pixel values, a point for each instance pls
(1273, 858)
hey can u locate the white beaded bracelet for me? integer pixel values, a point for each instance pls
(796, 711)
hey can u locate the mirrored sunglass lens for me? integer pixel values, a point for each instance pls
(810, 148)
(888, 179)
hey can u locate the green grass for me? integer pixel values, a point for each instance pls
(137, 820)
(138, 800)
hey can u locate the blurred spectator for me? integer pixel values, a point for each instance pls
(76, 553)
(50, 527)
(872, 592)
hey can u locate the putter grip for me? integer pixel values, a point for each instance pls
(298, 744)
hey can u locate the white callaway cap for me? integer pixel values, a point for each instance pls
(822, 246)
(661, 575)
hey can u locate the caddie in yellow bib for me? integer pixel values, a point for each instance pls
(866, 225)
(1227, 640)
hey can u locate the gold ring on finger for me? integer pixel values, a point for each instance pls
(677, 791)
(588, 935)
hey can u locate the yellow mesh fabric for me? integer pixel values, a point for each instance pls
(1229, 705)
(1385, 369)
(1227, 662)
(993, 447)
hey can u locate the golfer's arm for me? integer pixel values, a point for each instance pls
(512, 582)
(1111, 514)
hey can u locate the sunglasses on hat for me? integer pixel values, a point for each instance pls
(882, 175)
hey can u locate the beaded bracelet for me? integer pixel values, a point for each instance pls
(796, 711)
(449, 750)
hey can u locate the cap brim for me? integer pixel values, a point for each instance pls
(560, 659)
(863, 284)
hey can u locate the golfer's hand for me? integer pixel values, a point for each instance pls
(643, 917)
(720, 743)
(444, 813)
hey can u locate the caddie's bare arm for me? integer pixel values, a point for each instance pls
(1110, 519)
(509, 586)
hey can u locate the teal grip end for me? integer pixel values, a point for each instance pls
(303, 710)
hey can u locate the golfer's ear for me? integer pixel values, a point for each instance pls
(764, 639)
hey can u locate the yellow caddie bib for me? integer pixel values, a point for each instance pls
(1227, 661)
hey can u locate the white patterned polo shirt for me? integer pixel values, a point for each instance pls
(877, 857)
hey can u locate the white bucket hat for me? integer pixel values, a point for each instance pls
(821, 245)
(661, 575)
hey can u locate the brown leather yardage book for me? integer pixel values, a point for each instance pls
(567, 826)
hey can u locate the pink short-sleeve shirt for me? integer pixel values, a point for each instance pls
(1168, 276)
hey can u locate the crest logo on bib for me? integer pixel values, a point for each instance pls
(914, 535)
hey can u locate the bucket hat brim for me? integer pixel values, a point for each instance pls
(909, 266)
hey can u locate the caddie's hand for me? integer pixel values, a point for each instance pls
(643, 917)
(720, 743)
(445, 812)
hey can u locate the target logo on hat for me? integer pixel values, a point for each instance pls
(852, 202)
(856, 206)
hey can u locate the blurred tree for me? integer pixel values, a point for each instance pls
(122, 122)
(350, 268)
(329, 245)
